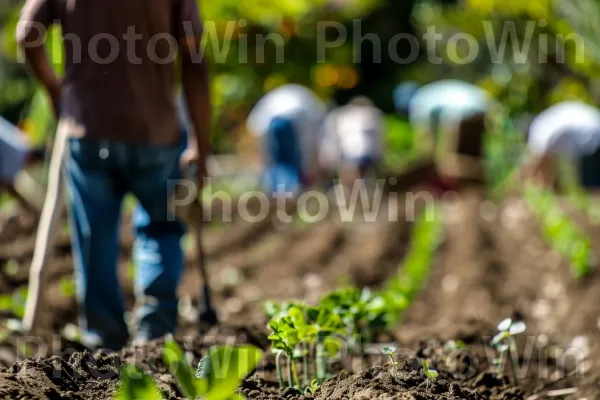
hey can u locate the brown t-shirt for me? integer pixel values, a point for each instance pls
(119, 63)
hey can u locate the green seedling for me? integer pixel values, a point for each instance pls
(504, 342)
(390, 351)
(327, 323)
(174, 358)
(218, 374)
(296, 331)
(284, 337)
(431, 374)
(357, 314)
(313, 387)
(135, 385)
(225, 367)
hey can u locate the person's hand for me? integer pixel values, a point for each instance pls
(190, 162)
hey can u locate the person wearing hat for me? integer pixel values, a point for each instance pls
(352, 140)
(570, 129)
(287, 122)
(452, 116)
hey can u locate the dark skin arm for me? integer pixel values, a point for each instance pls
(38, 63)
(197, 94)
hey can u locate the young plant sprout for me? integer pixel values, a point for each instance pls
(505, 341)
(313, 387)
(389, 351)
(431, 374)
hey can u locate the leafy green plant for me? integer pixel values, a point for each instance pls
(560, 231)
(284, 338)
(218, 374)
(431, 374)
(504, 341)
(355, 313)
(217, 377)
(224, 368)
(296, 332)
(362, 312)
(178, 367)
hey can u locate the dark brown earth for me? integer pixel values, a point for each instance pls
(489, 267)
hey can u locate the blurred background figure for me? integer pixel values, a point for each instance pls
(570, 130)
(451, 115)
(352, 141)
(15, 155)
(287, 122)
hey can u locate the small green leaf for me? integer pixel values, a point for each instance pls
(388, 350)
(517, 328)
(332, 346)
(505, 325)
(430, 373)
(135, 385)
(227, 366)
(173, 356)
(500, 337)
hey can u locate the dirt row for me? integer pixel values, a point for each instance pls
(491, 265)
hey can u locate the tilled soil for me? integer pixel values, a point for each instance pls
(491, 265)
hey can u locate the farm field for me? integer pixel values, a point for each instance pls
(489, 262)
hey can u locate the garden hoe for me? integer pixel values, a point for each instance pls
(192, 214)
(46, 233)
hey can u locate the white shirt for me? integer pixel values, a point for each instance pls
(351, 132)
(13, 150)
(571, 128)
(456, 100)
(300, 105)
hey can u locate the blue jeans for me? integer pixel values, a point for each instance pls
(284, 171)
(99, 175)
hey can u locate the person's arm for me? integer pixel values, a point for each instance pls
(36, 17)
(195, 86)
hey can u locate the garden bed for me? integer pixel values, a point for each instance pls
(486, 269)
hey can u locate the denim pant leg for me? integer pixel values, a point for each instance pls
(95, 208)
(157, 249)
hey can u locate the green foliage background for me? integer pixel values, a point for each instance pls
(522, 85)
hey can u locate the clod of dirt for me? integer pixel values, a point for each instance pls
(491, 386)
(58, 378)
(256, 389)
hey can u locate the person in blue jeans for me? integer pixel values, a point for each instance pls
(284, 170)
(99, 175)
(287, 122)
(123, 136)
